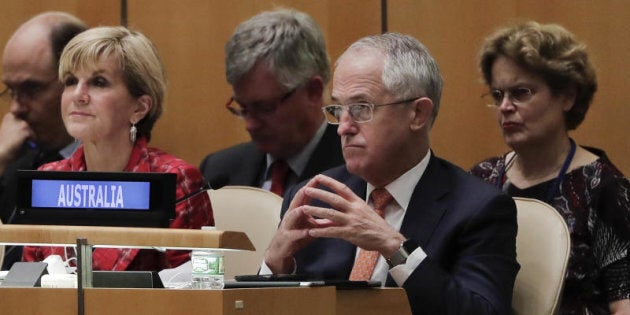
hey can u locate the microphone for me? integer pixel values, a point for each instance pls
(203, 188)
(218, 182)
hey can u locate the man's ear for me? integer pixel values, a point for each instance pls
(315, 89)
(422, 113)
(142, 107)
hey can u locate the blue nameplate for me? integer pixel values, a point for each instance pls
(95, 198)
(90, 194)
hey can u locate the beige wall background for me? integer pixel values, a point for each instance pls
(466, 131)
(190, 36)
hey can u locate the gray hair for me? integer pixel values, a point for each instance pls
(409, 70)
(289, 41)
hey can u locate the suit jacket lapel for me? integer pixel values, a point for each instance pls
(357, 185)
(252, 167)
(427, 205)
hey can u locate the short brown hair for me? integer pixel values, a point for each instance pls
(550, 51)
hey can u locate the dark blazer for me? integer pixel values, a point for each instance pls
(30, 160)
(244, 164)
(466, 227)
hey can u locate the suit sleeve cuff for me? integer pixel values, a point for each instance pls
(401, 273)
(264, 269)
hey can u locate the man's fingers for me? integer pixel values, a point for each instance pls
(332, 215)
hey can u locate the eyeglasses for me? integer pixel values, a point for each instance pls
(25, 91)
(241, 110)
(359, 112)
(516, 95)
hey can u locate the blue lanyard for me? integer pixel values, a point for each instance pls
(557, 182)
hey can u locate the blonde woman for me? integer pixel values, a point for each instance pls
(114, 86)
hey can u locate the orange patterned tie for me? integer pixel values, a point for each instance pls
(366, 260)
(279, 173)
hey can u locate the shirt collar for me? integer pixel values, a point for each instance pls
(402, 187)
(68, 150)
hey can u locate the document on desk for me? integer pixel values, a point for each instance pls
(177, 278)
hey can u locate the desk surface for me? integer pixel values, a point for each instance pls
(260, 301)
(123, 236)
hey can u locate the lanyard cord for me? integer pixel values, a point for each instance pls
(557, 182)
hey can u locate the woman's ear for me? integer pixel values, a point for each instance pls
(568, 99)
(142, 107)
(422, 113)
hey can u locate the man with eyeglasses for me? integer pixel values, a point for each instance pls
(277, 65)
(32, 132)
(395, 212)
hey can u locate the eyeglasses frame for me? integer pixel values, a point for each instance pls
(514, 100)
(241, 112)
(12, 94)
(371, 106)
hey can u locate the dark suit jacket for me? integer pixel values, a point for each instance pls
(244, 164)
(30, 160)
(466, 227)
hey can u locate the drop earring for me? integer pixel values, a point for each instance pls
(132, 133)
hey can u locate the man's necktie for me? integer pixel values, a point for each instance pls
(366, 260)
(279, 173)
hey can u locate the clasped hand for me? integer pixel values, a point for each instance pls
(349, 218)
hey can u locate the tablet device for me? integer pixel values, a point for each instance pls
(291, 280)
(230, 284)
(278, 277)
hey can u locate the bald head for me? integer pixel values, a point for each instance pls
(29, 69)
(45, 34)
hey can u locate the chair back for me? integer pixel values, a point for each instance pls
(1, 251)
(251, 210)
(543, 246)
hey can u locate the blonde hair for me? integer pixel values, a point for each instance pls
(137, 57)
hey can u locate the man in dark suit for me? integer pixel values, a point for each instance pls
(429, 227)
(277, 65)
(32, 132)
